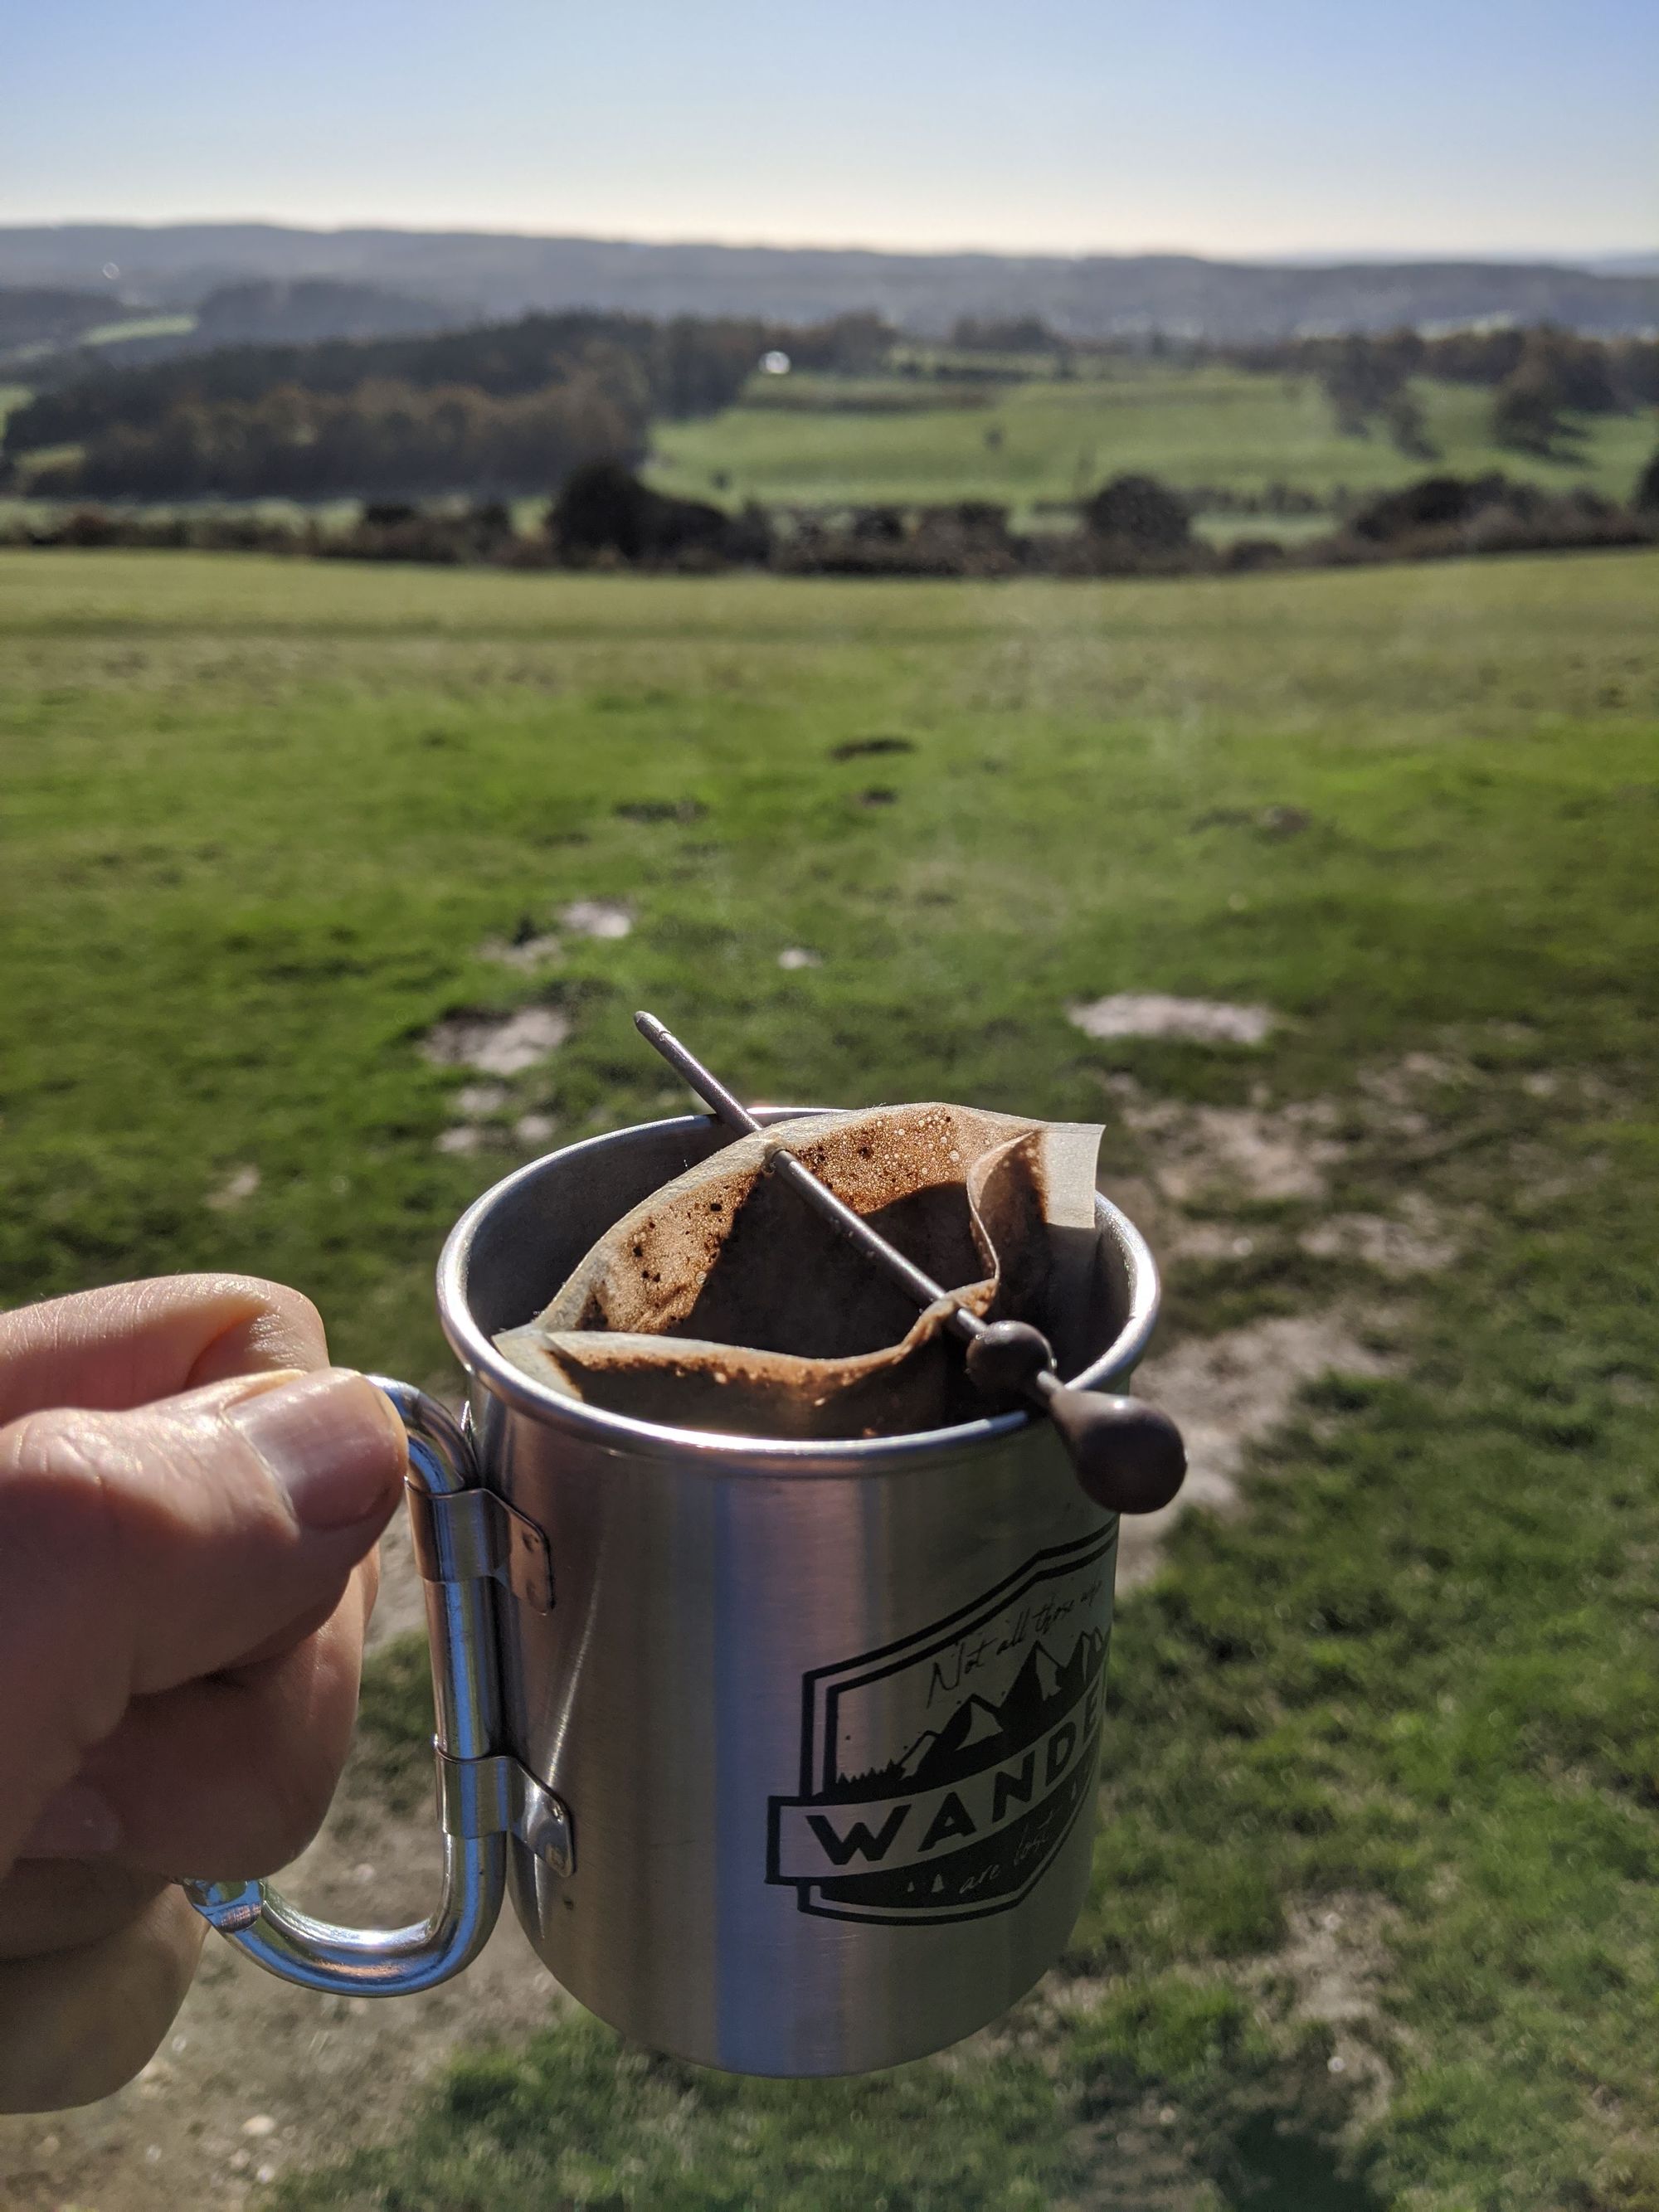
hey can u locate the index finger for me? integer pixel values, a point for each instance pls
(109, 1350)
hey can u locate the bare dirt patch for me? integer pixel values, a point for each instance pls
(1200, 1168)
(1221, 1152)
(497, 1044)
(534, 950)
(1155, 1014)
(602, 918)
(530, 950)
(1198, 1164)
(476, 1099)
(466, 1137)
(1228, 1392)
(1398, 1095)
(1418, 1241)
(1335, 1956)
(238, 1187)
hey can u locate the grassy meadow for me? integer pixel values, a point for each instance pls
(264, 821)
(797, 441)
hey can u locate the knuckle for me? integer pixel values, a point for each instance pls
(260, 1294)
(55, 1473)
(259, 1324)
(64, 1561)
(53, 1441)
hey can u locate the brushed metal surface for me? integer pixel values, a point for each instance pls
(744, 1627)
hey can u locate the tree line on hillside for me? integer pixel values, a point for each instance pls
(1540, 377)
(509, 408)
(36, 315)
(686, 366)
(385, 438)
(603, 517)
(494, 411)
(1602, 373)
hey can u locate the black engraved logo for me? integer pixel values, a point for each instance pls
(940, 1776)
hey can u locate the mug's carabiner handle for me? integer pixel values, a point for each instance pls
(464, 1535)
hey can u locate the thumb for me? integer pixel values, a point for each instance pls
(142, 1550)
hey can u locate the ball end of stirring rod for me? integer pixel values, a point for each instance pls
(1128, 1456)
(1006, 1357)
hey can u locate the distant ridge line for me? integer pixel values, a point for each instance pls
(494, 275)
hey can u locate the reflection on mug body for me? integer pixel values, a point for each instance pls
(786, 1752)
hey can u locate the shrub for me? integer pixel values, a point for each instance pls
(605, 511)
(1432, 502)
(1440, 515)
(1140, 512)
(1248, 553)
(1526, 413)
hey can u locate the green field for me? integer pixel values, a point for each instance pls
(1038, 444)
(1049, 440)
(261, 822)
(123, 328)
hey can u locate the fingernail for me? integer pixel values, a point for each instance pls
(332, 1441)
(78, 1823)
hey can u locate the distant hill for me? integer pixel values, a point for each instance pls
(56, 334)
(36, 316)
(295, 311)
(476, 274)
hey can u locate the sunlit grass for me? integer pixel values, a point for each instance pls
(260, 819)
(1053, 439)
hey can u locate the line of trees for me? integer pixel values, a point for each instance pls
(1539, 378)
(503, 409)
(603, 517)
(47, 315)
(685, 366)
(382, 439)
(510, 408)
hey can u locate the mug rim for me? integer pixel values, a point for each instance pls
(596, 1425)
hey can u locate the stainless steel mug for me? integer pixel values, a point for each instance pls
(787, 1750)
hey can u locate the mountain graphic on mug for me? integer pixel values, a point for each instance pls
(941, 1775)
(980, 1733)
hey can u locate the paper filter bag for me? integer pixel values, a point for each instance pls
(724, 1302)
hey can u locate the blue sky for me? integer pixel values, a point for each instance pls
(1222, 126)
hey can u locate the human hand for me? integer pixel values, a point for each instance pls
(189, 1502)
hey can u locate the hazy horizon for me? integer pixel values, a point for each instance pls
(1334, 256)
(1285, 131)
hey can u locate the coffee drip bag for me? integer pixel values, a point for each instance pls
(724, 1302)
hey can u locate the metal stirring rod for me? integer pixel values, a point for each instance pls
(1128, 1455)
